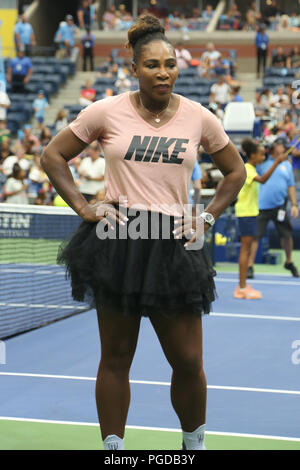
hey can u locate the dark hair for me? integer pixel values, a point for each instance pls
(249, 147)
(146, 29)
(279, 141)
(15, 170)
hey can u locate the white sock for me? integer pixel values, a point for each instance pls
(194, 440)
(113, 442)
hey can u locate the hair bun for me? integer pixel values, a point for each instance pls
(146, 24)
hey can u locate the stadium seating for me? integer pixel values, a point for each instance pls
(199, 24)
(280, 72)
(15, 120)
(105, 81)
(21, 106)
(189, 72)
(73, 110)
(186, 80)
(276, 81)
(49, 74)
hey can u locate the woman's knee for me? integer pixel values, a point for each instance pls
(118, 339)
(118, 360)
(188, 365)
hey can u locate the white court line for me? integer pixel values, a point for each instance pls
(212, 314)
(148, 428)
(60, 271)
(260, 281)
(32, 271)
(260, 317)
(65, 307)
(151, 382)
(258, 273)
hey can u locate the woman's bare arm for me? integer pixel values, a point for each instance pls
(231, 165)
(62, 148)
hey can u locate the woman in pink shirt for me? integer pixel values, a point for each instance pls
(138, 252)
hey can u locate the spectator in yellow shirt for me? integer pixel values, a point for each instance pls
(246, 210)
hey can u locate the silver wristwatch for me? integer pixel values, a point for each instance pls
(208, 218)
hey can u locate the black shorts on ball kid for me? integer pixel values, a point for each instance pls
(284, 227)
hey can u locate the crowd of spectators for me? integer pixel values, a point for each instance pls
(184, 19)
(279, 112)
(278, 106)
(286, 59)
(210, 64)
(277, 101)
(26, 151)
(64, 38)
(22, 179)
(120, 75)
(277, 109)
(270, 15)
(119, 19)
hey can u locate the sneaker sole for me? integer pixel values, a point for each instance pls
(247, 297)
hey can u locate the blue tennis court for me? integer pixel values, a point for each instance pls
(251, 364)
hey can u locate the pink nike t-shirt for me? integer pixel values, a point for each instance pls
(150, 167)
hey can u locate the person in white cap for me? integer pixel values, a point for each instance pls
(65, 37)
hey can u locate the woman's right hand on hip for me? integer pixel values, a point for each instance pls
(102, 212)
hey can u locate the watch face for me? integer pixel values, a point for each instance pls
(209, 218)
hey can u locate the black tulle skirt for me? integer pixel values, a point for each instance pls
(143, 276)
